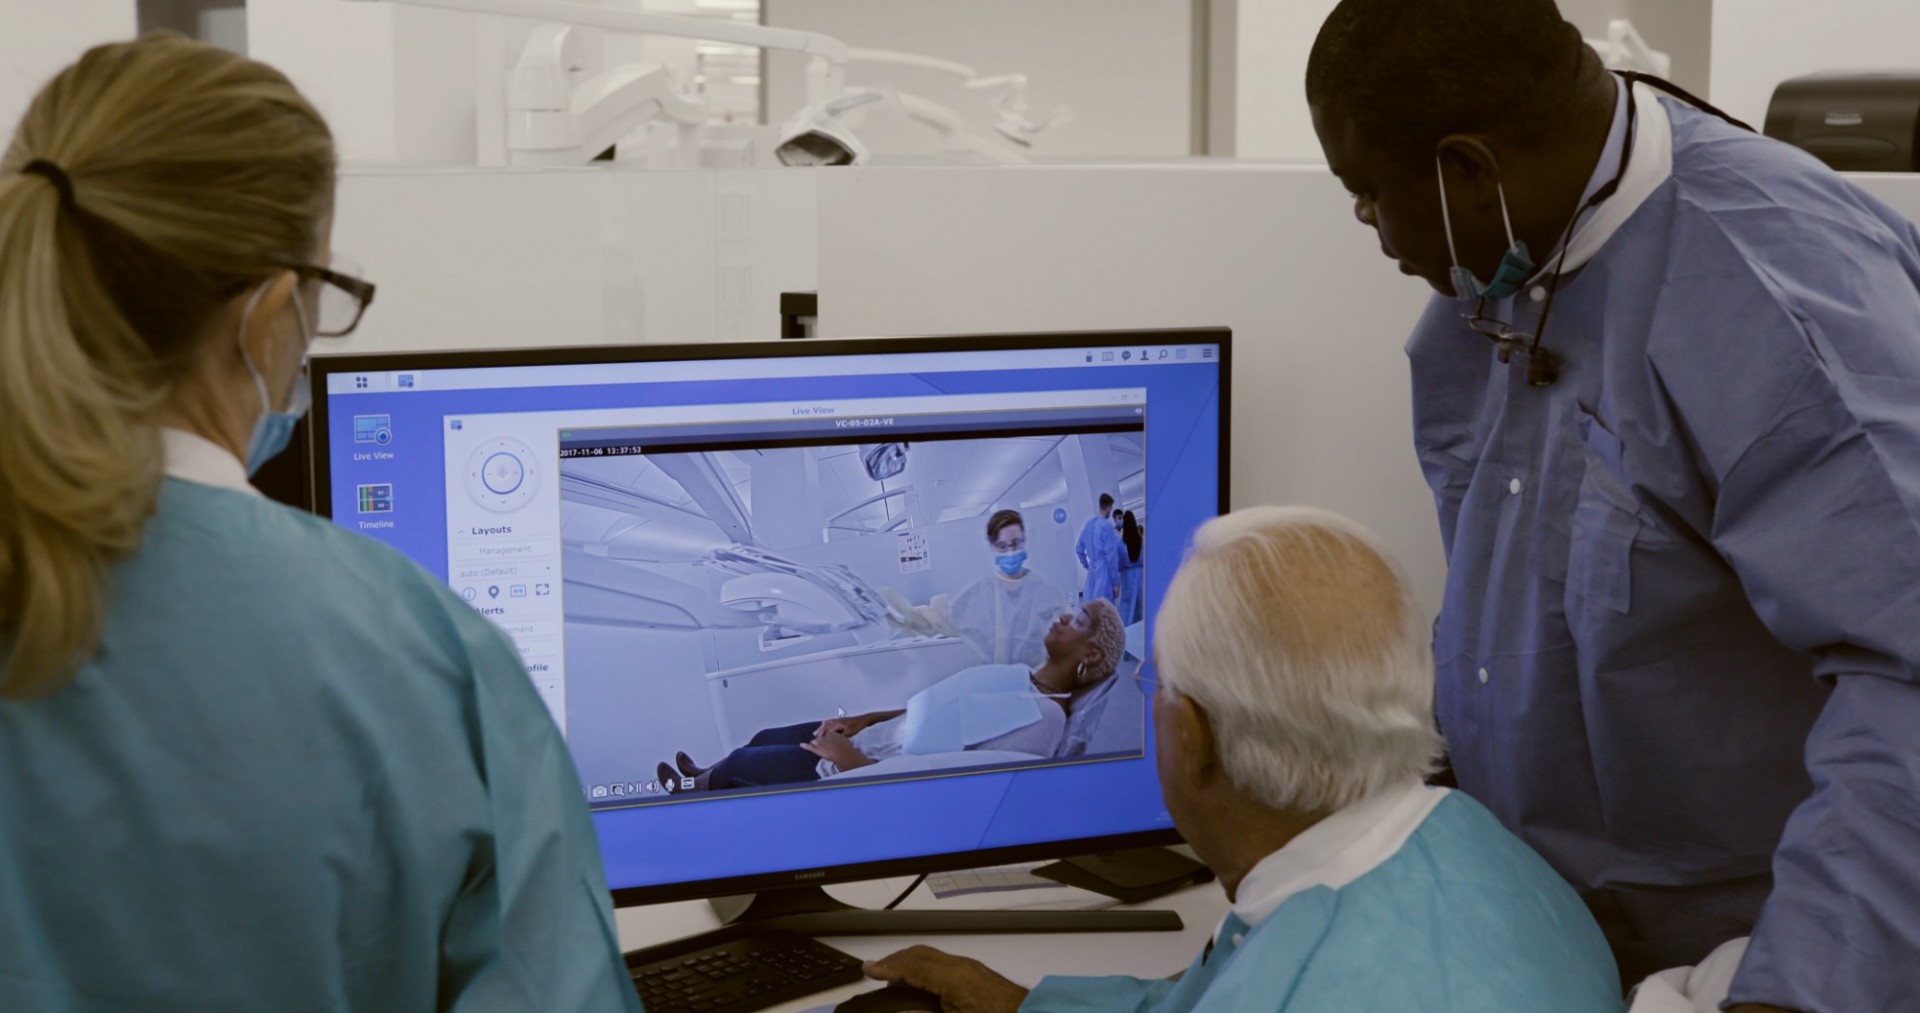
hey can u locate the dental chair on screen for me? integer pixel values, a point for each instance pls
(794, 603)
(1106, 717)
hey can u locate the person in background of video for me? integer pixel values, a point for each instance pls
(1098, 549)
(1132, 542)
(1003, 615)
(1020, 710)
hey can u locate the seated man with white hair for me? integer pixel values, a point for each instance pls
(1293, 714)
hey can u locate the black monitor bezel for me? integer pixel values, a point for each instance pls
(321, 485)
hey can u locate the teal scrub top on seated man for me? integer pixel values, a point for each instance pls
(1413, 900)
(299, 774)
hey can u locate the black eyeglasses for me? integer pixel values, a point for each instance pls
(1543, 366)
(343, 300)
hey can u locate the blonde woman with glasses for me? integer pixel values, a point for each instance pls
(248, 760)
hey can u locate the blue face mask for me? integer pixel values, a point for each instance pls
(1011, 562)
(275, 428)
(1515, 267)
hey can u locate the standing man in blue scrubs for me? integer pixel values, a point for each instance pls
(1099, 551)
(1668, 401)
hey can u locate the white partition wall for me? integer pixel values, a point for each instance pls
(1320, 402)
(507, 258)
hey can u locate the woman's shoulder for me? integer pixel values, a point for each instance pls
(257, 554)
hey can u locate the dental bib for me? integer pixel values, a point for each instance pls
(968, 708)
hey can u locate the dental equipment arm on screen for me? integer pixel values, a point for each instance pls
(797, 601)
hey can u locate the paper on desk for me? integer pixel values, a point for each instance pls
(985, 890)
(994, 880)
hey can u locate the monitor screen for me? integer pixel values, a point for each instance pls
(808, 585)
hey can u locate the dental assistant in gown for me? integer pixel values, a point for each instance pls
(249, 760)
(1003, 615)
(1680, 647)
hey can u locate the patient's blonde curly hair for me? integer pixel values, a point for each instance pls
(1109, 635)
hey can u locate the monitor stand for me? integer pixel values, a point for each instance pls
(810, 911)
(1132, 876)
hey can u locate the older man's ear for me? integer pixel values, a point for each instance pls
(1192, 732)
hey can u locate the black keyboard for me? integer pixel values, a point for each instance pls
(739, 974)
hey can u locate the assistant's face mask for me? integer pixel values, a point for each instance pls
(1515, 267)
(274, 429)
(1010, 562)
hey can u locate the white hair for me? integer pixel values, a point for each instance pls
(1297, 633)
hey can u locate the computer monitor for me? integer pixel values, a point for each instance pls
(701, 550)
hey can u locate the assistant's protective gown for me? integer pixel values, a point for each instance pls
(1682, 616)
(1004, 619)
(299, 775)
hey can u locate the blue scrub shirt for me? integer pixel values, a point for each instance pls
(298, 775)
(1681, 637)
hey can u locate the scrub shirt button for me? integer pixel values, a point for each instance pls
(1239, 937)
(1539, 293)
(1483, 677)
(1514, 487)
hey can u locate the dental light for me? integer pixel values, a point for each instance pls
(562, 124)
(1012, 122)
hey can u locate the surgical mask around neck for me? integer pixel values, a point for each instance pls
(274, 429)
(1010, 562)
(1516, 266)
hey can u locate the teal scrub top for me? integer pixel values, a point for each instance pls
(299, 774)
(1462, 919)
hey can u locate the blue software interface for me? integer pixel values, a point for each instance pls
(711, 567)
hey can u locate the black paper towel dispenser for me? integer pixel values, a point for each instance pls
(1854, 121)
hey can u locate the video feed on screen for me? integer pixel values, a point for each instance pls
(754, 615)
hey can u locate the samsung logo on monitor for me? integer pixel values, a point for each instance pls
(810, 875)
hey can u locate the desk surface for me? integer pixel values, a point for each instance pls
(1016, 956)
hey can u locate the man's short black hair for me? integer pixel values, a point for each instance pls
(1105, 501)
(1001, 520)
(1409, 73)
